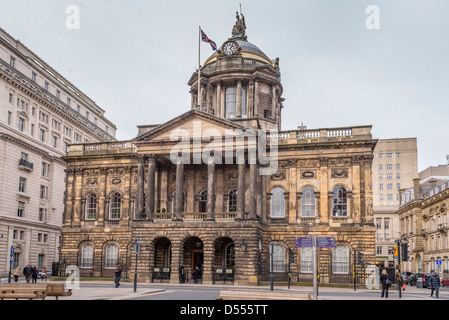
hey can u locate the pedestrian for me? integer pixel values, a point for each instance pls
(196, 274)
(16, 274)
(34, 275)
(182, 277)
(44, 274)
(27, 272)
(118, 275)
(434, 283)
(386, 283)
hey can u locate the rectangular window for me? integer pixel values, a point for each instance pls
(45, 169)
(21, 209)
(46, 85)
(389, 155)
(381, 197)
(87, 115)
(398, 176)
(381, 155)
(42, 213)
(398, 166)
(58, 93)
(381, 177)
(12, 62)
(398, 186)
(42, 135)
(381, 186)
(389, 176)
(21, 124)
(33, 76)
(397, 155)
(44, 192)
(231, 101)
(10, 98)
(32, 129)
(22, 184)
(78, 108)
(381, 167)
(390, 186)
(9, 117)
(389, 167)
(68, 102)
(55, 142)
(390, 197)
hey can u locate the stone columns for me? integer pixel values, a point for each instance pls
(140, 185)
(239, 99)
(256, 97)
(151, 191)
(211, 190)
(241, 186)
(218, 106)
(179, 191)
(252, 186)
(273, 102)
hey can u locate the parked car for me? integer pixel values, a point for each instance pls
(406, 277)
(445, 281)
(424, 276)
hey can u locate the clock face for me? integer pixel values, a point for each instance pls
(230, 48)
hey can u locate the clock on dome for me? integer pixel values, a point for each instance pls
(230, 47)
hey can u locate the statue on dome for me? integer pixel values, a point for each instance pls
(238, 31)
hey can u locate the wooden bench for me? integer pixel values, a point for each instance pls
(23, 291)
(58, 290)
(240, 294)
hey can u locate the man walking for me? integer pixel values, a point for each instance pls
(27, 272)
(434, 283)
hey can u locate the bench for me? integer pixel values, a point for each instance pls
(239, 294)
(58, 290)
(20, 291)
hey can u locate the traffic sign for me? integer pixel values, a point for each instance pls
(438, 262)
(12, 250)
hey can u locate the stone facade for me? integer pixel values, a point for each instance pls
(194, 194)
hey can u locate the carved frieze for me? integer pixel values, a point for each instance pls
(339, 173)
(280, 175)
(308, 174)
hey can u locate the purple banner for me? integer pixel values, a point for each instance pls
(322, 242)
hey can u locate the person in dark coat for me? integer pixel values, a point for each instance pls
(34, 275)
(27, 272)
(182, 276)
(386, 283)
(196, 274)
(118, 275)
(434, 283)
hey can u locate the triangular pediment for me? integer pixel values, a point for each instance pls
(194, 123)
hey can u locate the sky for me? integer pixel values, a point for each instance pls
(342, 63)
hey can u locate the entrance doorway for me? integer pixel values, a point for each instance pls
(193, 258)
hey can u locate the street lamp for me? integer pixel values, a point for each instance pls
(137, 250)
(11, 260)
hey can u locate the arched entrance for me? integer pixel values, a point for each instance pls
(224, 260)
(193, 258)
(162, 260)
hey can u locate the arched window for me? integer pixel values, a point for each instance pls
(115, 204)
(203, 201)
(87, 256)
(340, 260)
(232, 200)
(277, 203)
(308, 207)
(230, 256)
(111, 257)
(173, 202)
(91, 207)
(278, 257)
(340, 202)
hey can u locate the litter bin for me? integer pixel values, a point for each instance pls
(419, 283)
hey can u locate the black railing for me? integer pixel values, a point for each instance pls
(160, 273)
(224, 275)
(26, 164)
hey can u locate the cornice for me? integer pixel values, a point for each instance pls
(19, 80)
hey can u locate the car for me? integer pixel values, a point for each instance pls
(424, 276)
(445, 281)
(406, 277)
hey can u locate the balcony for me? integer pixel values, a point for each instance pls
(25, 165)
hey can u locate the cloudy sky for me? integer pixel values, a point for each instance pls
(134, 58)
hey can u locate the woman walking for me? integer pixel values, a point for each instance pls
(386, 283)
(16, 274)
(118, 276)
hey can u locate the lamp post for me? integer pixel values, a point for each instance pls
(137, 250)
(271, 267)
(11, 260)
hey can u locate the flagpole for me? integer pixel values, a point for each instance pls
(199, 70)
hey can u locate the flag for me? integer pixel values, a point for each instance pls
(206, 39)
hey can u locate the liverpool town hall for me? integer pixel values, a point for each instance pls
(222, 187)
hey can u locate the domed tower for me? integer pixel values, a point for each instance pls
(240, 83)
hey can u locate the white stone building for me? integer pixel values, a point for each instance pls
(41, 113)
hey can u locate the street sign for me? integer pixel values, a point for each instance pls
(322, 242)
(12, 250)
(438, 262)
(11, 261)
